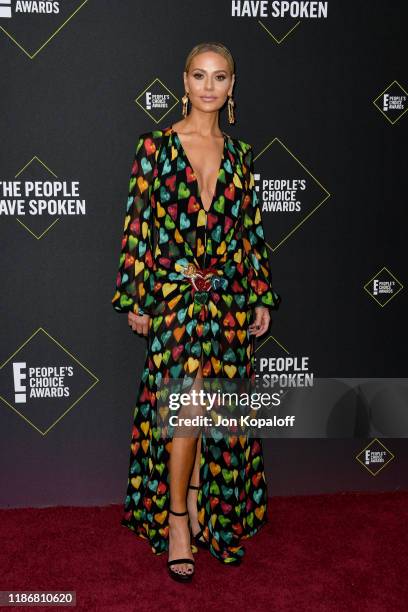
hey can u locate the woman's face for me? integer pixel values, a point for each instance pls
(208, 81)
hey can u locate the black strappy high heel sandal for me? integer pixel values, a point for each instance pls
(198, 538)
(176, 575)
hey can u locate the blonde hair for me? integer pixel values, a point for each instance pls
(217, 47)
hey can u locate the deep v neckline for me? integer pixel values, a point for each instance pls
(199, 200)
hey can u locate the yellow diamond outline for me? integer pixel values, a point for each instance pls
(96, 380)
(31, 56)
(146, 111)
(392, 456)
(310, 213)
(38, 237)
(271, 337)
(380, 109)
(277, 40)
(392, 296)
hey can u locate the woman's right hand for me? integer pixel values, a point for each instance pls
(139, 323)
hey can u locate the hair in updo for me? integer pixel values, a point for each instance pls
(210, 46)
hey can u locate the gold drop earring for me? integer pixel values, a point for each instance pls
(184, 100)
(230, 105)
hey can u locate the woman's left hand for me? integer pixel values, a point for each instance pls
(262, 319)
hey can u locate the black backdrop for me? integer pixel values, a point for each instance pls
(309, 95)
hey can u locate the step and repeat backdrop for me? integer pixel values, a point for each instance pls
(321, 94)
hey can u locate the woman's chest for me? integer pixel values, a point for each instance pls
(176, 189)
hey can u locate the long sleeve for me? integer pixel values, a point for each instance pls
(135, 280)
(261, 292)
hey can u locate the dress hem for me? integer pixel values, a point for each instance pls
(251, 534)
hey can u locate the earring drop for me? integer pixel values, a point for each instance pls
(184, 100)
(230, 105)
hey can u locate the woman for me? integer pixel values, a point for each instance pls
(194, 277)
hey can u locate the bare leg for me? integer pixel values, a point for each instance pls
(192, 493)
(195, 481)
(181, 464)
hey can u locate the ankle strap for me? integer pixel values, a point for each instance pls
(194, 487)
(178, 513)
